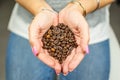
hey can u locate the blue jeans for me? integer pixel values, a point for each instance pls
(21, 64)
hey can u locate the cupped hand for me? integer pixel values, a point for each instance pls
(40, 24)
(72, 16)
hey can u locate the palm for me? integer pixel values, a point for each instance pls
(72, 17)
(38, 27)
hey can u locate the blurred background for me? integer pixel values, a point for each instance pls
(6, 7)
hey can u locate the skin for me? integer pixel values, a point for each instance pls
(71, 15)
(40, 24)
(77, 24)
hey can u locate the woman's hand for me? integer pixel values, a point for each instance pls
(72, 16)
(40, 24)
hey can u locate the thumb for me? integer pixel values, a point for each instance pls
(35, 47)
(84, 40)
(34, 40)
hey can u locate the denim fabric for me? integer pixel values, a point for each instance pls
(21, 64)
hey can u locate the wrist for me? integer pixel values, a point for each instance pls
(41, 8)
(76, 6)
(80, 6)
(33, 6)
(91, 5)
(88, 5)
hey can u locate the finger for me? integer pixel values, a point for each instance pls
(55, 22)
(84, 41)
(60, 18)
(35, 49)
(67, 61)
(34, 38)
(46, 59)
(57, 67)
(35, 44)
(76, 59)
(84, 38)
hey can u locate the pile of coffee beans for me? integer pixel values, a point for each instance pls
(59, 41)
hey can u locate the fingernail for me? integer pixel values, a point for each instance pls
(34, 50)
(87, 50)
(58, 74)
(65, 74)
(70, 70)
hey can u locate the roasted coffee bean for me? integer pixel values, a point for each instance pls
(53, 49)
(59, 42)
(49, 31)
(48, 36)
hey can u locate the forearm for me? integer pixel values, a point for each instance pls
(91, 5)
(33, 6)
